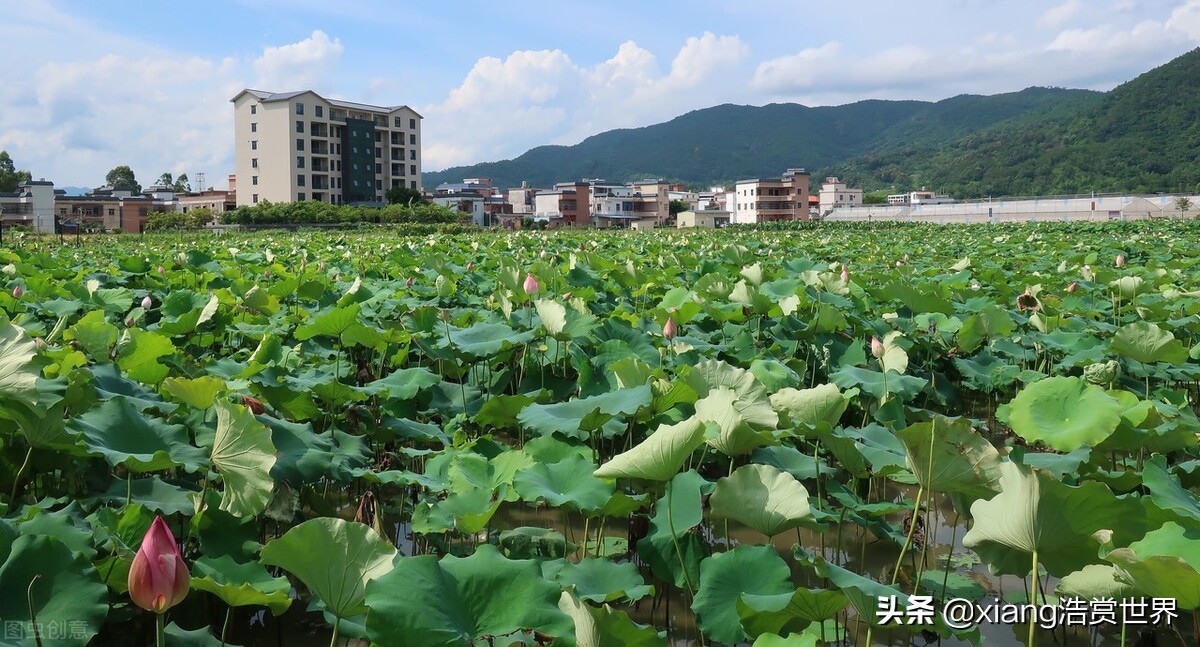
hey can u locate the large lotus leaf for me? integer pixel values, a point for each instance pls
(774, 374)
(711, 374)
(200, 392)
(333, 322)
(568, 483)
(95, 335)
(677, 512)
(335, 559)
(123, 435)
(402, 384)
(986, 371)
(424, 602)
(244, 455)
(528, 543)
(18, 373)
(1064, 412)
(240, 585)
(895, 358)
(154, 493)
(947, 455)
(803, 639)
(138, 354)
(68, 593)
(66, 525)
(1095, 582)
(725, 577)
(877, 384)
(762, 497)
(176, 636)
(552, 314)
(601, 580)
(1167, 494)
(468, 509)
(606, 627)
(816, 407)
(483, 339)
(990, 323)
(1036, 512)
(577, 418)
(659, 456)
(1145, 342)
(1163, 564)
(742, 423)
(222, 534)
(775, 614)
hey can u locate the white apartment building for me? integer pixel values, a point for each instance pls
(31, 205)
(836, 195)
(766, 200)
(293, 146)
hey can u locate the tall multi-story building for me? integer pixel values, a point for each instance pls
(293, 146)
(835, 194)
(765, 200)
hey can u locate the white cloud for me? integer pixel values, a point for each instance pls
(307, 64)
(1060, 14)
(504, 106)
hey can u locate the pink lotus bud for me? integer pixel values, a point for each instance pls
(670, 329)
(158, 578)
(1120, 260)
(408, 282)
(129, 323)
(320, 265)
(267, 274)
(531, 285)
(17, 292)
(470, 266)
(845, 274)
(161, 270)
(567, 295)
(146, 302)
(1072, 287)
(876, 348)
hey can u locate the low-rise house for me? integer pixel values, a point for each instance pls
(711, 218)
(31, 205)
(768, 200)
(835, 194)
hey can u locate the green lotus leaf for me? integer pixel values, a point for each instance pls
(726, 577)
(402, 384)
(990, 323)
(531, 543)
(95, 335)
(484, 594)
(606, 627)
(335, 559)
(240, 585)
(1145, 342)
(201, 392)
(1095, 582)
(1163, 564)
(67, 592)
(552, 314)
(243, 454)
(946, 585)
(176, 636)
(804, 639)
(1167, 494)
(788, 612)
(773, 374)
(483, 339)
(66, 525)
(579, 417)
(124, 436)
(895, 358)
(138, 353)
(601, 580)
(333, 322)
(677, 512)
(947, 455)
(568, 484)
(875, 384)
(18, 373)
(1036, 512)
(1064, 412)
(659, 456)
(742, 423)
(816, 407)
(762, 497)
(467, 510)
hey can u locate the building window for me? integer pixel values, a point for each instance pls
(354, 150)
(112, 212)
(378, 185)
(299, 144)
(254, 108)
(299, 161)
(378, 152)
(412, 184)
(299, 108)
(254, 198)
(378, 136)
(412, 154)
(301, 196)
(253, 126)
(412, 123)
(396, 123)
(356, 183)
(379, 169)
(412, 169)
(254, 162)
(320, 112)
(412, 139)
(254, 180)
(299, 180)
(254, 144)
(299, 126)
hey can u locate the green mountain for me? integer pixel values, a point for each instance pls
(1141, 136)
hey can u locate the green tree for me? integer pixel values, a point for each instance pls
(875, 197)
(1183, 203)
(182, 184)
(166, 179)
(679, 206)
(122, 177)
(403, 195)
(10, 177)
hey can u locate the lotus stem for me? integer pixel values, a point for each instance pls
(160, 636)
(336, 625)
(675, 540)
(912, 526)
(225, 626)
(946, 572)
(32, 614)
(1033, 596)
(12, 500)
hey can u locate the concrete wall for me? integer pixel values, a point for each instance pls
(1051, 209)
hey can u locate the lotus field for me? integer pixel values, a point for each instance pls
(774, 436)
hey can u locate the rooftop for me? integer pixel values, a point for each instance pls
(268, 97)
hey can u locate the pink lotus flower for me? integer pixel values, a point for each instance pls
(531, 285)
(1120, 260)
(130, 322)
(567, 295)
(470, 266)
(845, 274)
(158, 578)
(876, 348)
(1072, 287)
(162, 270)
(146, 302)
(408, 283)
(670, 329)
(17, 292)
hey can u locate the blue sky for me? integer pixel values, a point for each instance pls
(90, 85)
